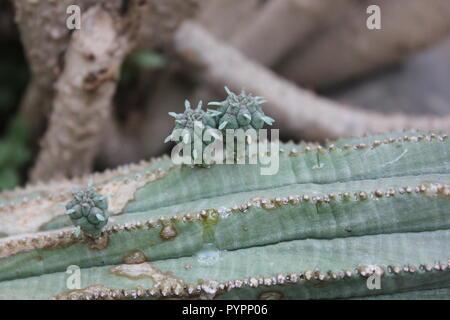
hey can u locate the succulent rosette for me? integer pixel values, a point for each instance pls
(240, 111)
(88, 211)
(194, 123)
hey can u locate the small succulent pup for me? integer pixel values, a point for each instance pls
(194, 122)
(88, 211)
(242, 111)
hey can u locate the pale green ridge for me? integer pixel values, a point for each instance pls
(29, 196)
(380, 137)
(165, 163)
(310, 189)
(425, 157)
(357, 212)
(229, 200)
(201, 186)
(34, 192)
(433, 294)
(346, 288)
(336, 255)
(255, 226)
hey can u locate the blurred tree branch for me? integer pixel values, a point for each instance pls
(84, 92)
(226, 18)
(44, 34)
(295, 109)
(280, 26)
(46, 39)
(143, 133)
(349, 49)
(266, 31)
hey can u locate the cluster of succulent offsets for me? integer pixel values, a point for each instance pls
(240, 111)
(189, 120)
(88, 211)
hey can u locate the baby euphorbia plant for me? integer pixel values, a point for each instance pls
(88, 211)
(190, 127)
(237, 112)
(240, 111)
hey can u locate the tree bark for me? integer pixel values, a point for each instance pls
(42, 25)
(83, 94)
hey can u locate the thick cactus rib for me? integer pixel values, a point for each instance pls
(225, 186)
(157, 186)
(336, 268)
(431, 294)
(34, 207)
(375, 160)
(391, 190)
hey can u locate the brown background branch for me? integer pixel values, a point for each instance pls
(295, 109)
(348, 49)
(84, 93)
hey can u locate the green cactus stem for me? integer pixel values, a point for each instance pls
(331, 217)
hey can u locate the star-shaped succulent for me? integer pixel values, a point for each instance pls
(242, 111)
(88, 211)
